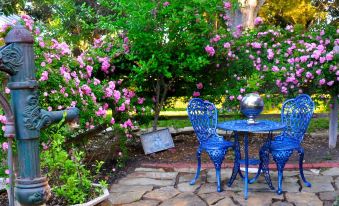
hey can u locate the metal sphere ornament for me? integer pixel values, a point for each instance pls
(251, 106)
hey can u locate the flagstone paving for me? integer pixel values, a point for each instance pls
(170, 187)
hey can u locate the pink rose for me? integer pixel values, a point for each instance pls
(196, 94)
(231, 98)
(200, 85)
(210, 50)
(322, 81)
(330, 83)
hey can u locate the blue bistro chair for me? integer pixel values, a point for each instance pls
(296, 115)
(204, 118)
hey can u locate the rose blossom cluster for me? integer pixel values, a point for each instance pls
(283, 61)
(85, 81)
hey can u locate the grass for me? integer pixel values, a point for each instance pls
(315, 125)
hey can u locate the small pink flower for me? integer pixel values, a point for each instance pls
(231, 98)
(196, 94)
(242, 90)
(227, 5)
(210, 50)
(7, 172)
(7, 90)
(165, 4)
(309, 75)
(275, 69)
(239, 97)
(44, 76)
(329, 57)
(216, 38)
(112, 120)
(122, 107)
(5, 146)
(44, 146)
(318, 71)
(227, 45)
(141, 100)
(258, 21)
(330, 83)
(42, 44)
(200, 85)
(322, 81)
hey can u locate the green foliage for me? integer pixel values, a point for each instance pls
(67, 173)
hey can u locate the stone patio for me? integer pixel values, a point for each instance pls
(170, 187)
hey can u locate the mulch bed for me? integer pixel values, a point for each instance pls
(316, 150)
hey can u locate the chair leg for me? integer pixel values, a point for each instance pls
(264, 161)
(301, 170)
(217, 156)
(198, 154)
(280, 158)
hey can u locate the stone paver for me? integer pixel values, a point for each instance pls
(225, 175)
(146, 181)
(227, 201)
(189, 177)
(319, 184)
(303, 199)
(188, 170)
(162, 194)
(280, 203)
(329, 196)
(154, 187)
(143, 203)
(186, 187)
(331, 172)
(143, 169)
(184, 199)
(125, 197)
(212, 198)
(154, 175)
(336, 182)
(130, 188)
(257, 198)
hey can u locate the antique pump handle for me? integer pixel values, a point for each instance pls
(17, 60)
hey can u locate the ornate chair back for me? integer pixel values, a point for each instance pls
(204, 118)
(296, 114)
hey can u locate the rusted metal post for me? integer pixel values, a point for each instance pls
(17, 60)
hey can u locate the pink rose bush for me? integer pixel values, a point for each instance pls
(276, 61)
(89, 81)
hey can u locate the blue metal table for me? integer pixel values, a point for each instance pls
(242, 126)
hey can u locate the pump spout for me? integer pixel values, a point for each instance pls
(49, 117)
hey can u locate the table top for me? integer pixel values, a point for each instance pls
(242, 126)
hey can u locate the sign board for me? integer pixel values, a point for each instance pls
(156, 141)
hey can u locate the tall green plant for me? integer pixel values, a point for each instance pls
(167, 41)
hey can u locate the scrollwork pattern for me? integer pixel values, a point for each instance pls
(11, 58)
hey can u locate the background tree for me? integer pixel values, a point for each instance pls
(167, 43)
(291, 12)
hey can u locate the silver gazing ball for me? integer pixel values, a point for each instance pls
(251, 106)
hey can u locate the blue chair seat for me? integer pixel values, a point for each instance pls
(216, 142)
(284, 144)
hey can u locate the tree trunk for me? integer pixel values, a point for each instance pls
(249, 10)
(333, 127)
(159, 103)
